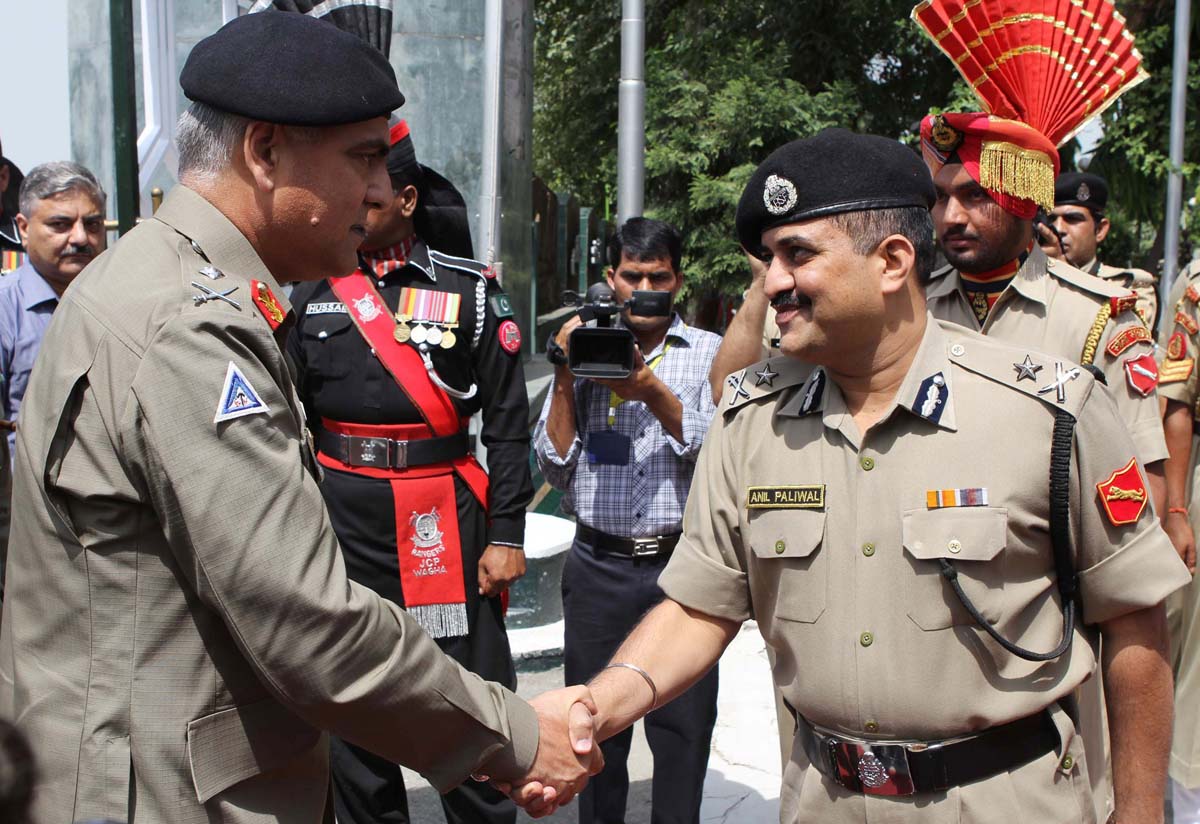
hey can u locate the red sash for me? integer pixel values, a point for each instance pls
(428, 544)
(378, 326)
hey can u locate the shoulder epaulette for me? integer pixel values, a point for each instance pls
(472, 267)
(1083, 281)
(1058, 383)
(763, 379)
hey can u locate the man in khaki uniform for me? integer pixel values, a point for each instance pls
(1080, 226)
(179, 628)
(1180, 385)
(839, 500)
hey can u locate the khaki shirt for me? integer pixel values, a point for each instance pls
(178, 626)
(1179, 348)
(1053, 307)
(1139, 281)
(868, 638)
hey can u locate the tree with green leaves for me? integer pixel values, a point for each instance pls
(728, 82)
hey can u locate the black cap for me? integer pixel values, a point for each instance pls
(1081, 189)
(291, 69)
(833, 171)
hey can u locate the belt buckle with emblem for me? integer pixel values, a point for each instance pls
(871, 768)
(645, 547)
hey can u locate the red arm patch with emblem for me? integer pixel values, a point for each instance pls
(1142, 374)
(1187, 323)
(1124, 495)
(1192, 294)
(1126, 338)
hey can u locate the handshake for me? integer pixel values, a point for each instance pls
(567, 754)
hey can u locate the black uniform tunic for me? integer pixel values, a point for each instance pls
(340, 379)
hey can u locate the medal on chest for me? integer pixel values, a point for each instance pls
(427, 316)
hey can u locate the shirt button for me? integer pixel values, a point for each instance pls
(637, 514)
(954, 546)
(871, 726)
(1067, 763)
(780, 547)
(866, 463)
(866, 639)
(868, 549)
(381, 283)
(322, 335)
(957, 350)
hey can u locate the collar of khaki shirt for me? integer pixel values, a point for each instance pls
(1029, 281)
(223, 244)
(933, 358)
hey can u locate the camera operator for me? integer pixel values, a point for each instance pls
(624, 452)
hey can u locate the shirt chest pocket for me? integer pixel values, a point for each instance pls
(331, 344)
(790, 562)
(973, 540)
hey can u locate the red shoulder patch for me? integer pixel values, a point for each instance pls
(1187, 323)
(510, 337)
(1126, 338)
(1142, 374)
(1176, 345)
(1124, 495)
(1192, 294)
(267, 303)
(1125, 303)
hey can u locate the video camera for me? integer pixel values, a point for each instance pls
(604, 351)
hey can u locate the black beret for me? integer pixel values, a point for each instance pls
(290, 68)
(1081, 189)
(833, 171)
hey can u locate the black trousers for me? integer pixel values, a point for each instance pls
(604, 596)
(369, 789)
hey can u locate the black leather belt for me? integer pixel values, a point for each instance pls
(633, 547)
(909, 767)
(386, 453)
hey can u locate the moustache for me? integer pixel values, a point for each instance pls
(959, 234)
(786, 300)
(85, 249)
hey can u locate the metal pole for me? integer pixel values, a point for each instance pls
(493, 77)
(120, 19)
(631, 112)
(1179, 70)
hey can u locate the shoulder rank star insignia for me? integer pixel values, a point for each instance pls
(238, 397)
(1125, 303)
(1027, 369)
(1126, 338)
(1142, 374)
(1123, 494)
(765, 375)
(267, 303)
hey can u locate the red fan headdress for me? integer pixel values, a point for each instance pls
(1041, 69)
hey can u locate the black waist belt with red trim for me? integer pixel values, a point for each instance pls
(350, 444)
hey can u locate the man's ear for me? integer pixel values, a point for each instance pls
(407, 200)
(260, 150)
(1102, 227)
(899, 261)
(608, 275)
(23, 228)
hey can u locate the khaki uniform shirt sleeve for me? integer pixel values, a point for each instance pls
(1122, 567)
(1178, 346)
(1140, 412)
(707, 570)
(246, 520)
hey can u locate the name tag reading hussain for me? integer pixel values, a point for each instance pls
(809, 496)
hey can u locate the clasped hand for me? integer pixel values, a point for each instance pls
(567, 755)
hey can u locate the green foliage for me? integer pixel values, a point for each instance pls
(728, 82)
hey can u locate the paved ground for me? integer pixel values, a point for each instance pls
(742, 786)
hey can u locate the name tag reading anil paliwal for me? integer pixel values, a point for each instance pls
(943, 498)
(806, 496)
